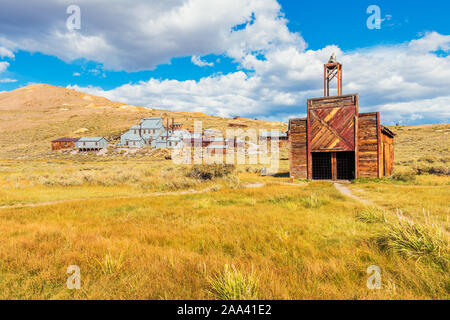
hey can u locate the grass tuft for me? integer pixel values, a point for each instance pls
(233, 284)
(312, 202)
(371, 215)
(111, 265)
(416, 240)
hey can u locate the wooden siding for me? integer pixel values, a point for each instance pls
(58, 145)
(387, 144)
(367, 158)
(298, 150)
(332, 123)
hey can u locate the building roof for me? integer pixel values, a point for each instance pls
(90, 139)
(151, 123)
(66, 140)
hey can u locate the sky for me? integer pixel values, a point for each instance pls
(251, 58)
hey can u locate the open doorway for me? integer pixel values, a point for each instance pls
(333, 165)
(345, 165)
(321, 166)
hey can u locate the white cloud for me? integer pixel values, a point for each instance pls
(405, 81)
(7, 80)
(142, 34)
(3, 66)
(76, 74)
(4, 52)
(201, 63)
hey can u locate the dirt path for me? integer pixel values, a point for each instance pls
(153, 194)
(347, 192)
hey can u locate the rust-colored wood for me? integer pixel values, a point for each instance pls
(379, 148)
(387, 146)
(356, 147)
(308, 141)
(331, 122)
(332, 70)
(298, 151)
(367, 160)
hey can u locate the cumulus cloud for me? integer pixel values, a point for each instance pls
(407, 82)
(141, 35)
(201, 63)
(281, 82)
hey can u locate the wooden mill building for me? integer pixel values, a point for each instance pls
(64, 143)
(337, 142)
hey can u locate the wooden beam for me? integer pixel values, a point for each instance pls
(379, 145)
(356, 148)
(308, 141)
(333, 166)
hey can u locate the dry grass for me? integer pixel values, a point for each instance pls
(282, 241)
(171, 247)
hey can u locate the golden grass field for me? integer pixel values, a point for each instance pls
(144, 228)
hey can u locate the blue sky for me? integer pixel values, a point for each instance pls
(253, 58)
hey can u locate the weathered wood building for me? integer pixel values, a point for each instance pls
(64, 143)
(337, 142)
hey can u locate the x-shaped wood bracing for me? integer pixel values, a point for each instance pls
(333, 131)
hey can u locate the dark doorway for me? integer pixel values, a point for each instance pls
(321, 165)
(333, 165)
(345, 165)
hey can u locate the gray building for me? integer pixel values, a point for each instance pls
(145, 133)
(91, 143)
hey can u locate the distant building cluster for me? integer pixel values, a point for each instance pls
(152, 132)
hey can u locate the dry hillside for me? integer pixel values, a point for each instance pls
(34, 115)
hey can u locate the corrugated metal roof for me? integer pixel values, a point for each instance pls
(93, 139)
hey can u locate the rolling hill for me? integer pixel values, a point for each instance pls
(34, 115)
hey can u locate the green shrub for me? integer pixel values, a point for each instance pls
(429, 159)
(440, 170)
(404, 175)
(234, 285)
(210, 171)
